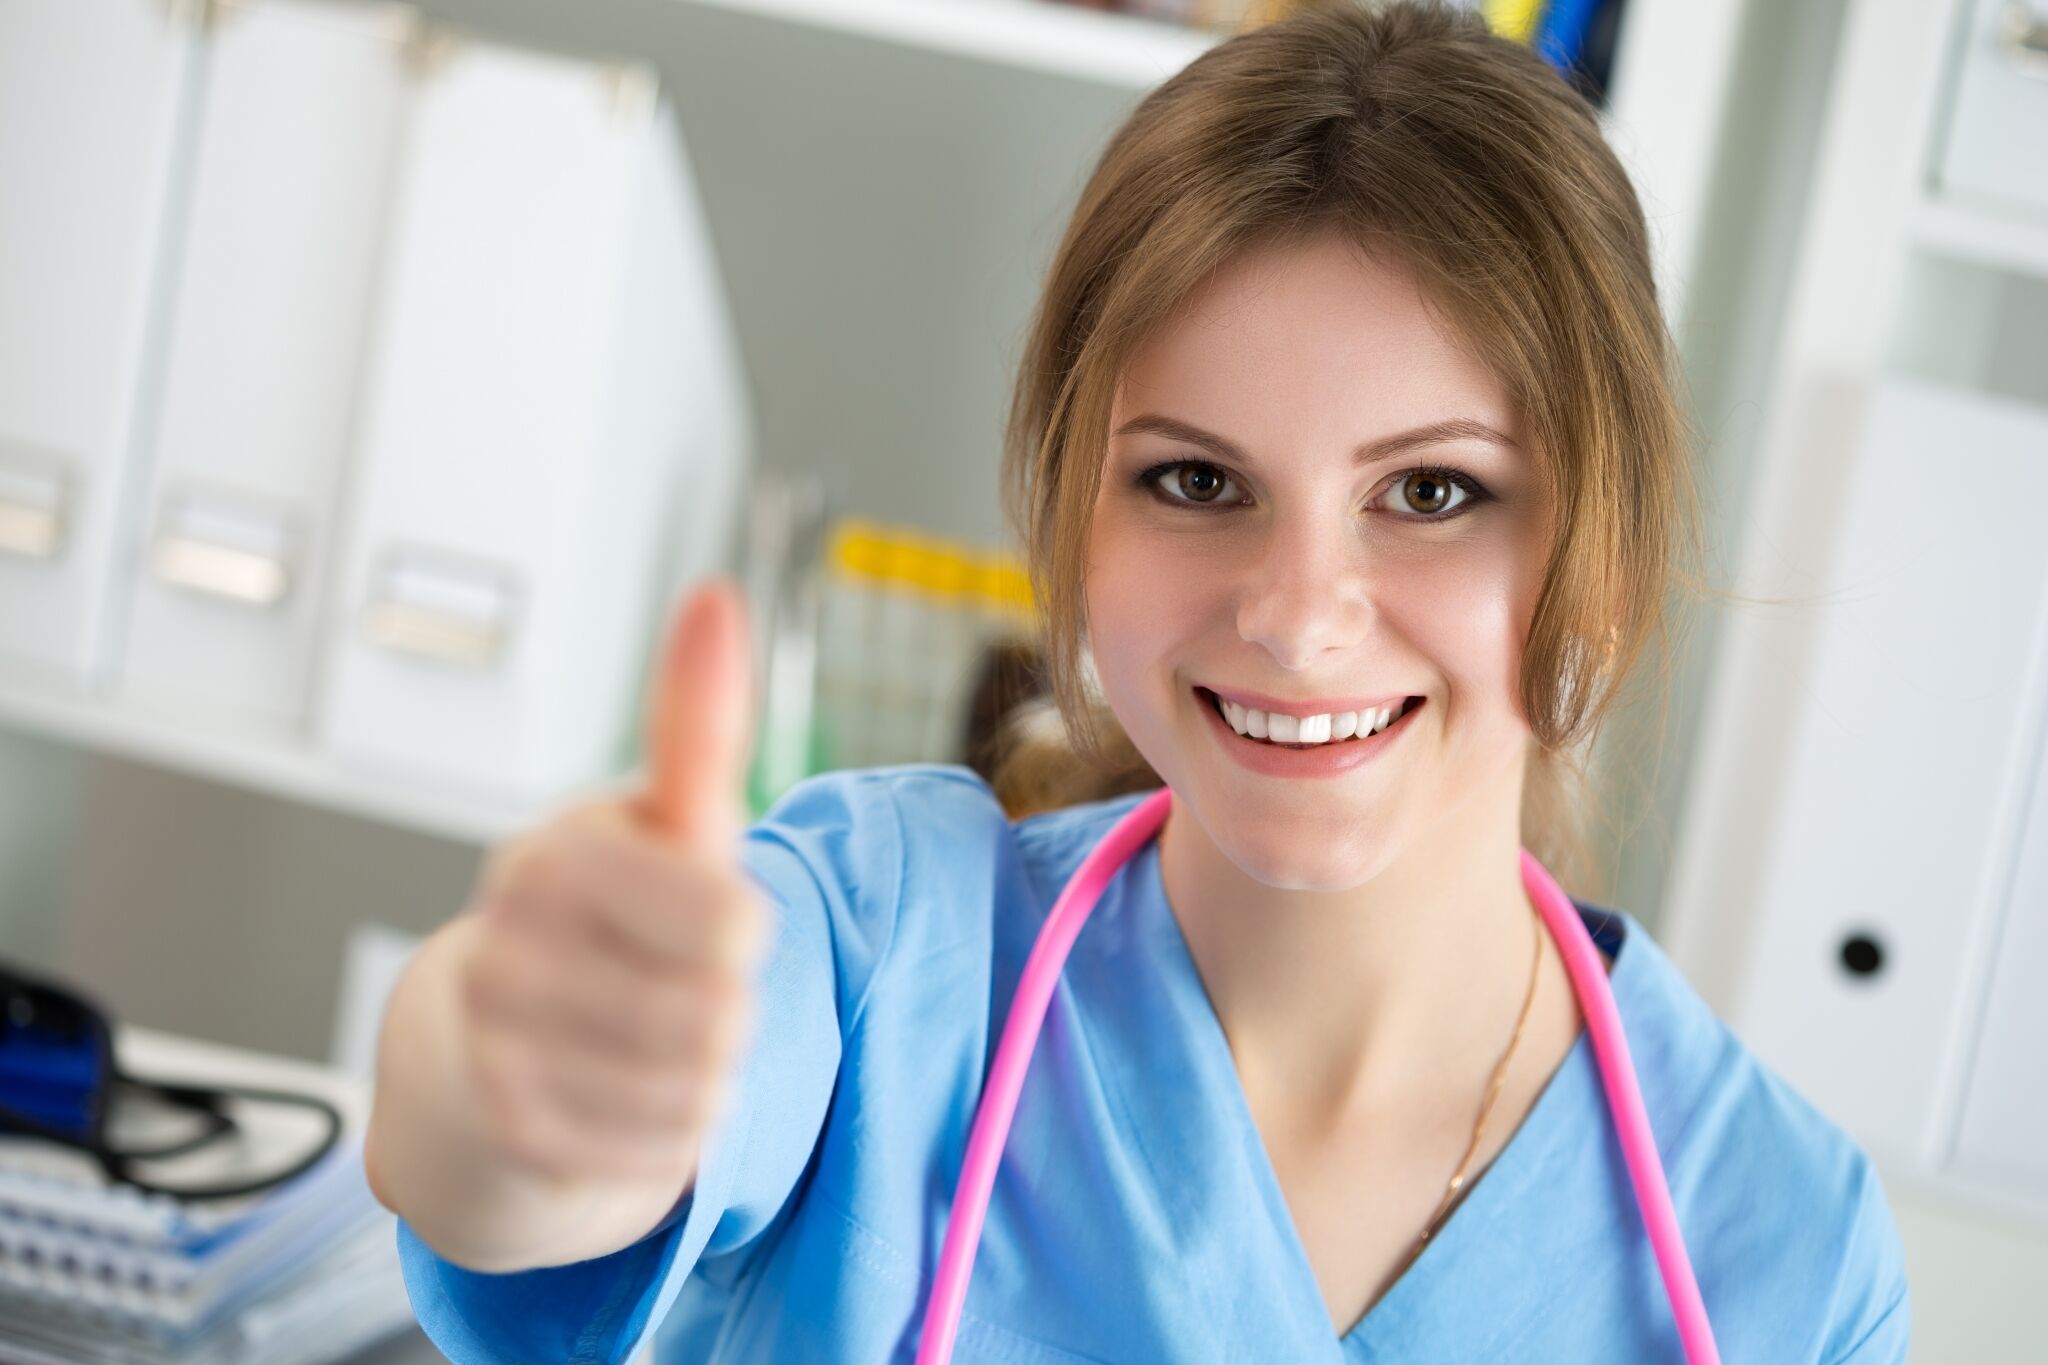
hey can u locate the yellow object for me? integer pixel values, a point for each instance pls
(1514, 19)
(1003, 583)
(953, 573)
(859, 549)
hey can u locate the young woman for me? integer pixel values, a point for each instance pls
(1347, 458)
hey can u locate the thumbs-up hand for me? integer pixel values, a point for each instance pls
(608, 986)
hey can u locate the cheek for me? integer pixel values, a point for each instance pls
(1141, 607)
(1468, 614)
(1112, 594)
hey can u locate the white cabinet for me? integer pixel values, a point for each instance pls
(93, 110)
(1861, 885)
(297, 132)
(1914, 731)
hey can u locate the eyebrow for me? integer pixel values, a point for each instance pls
(1386, 447)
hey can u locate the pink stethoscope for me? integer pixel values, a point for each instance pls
(1034, 992)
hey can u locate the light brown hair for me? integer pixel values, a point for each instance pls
(1466, 158)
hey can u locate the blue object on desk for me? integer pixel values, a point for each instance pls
(58, 1072)
(55, 1057)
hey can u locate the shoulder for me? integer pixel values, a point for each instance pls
(913, 860)
(858, 857)
(891, 791)
(1778, 1201)
(933, 817)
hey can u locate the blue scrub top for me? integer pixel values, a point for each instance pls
(1135, 1216)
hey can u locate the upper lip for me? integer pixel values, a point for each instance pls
(1317, 706)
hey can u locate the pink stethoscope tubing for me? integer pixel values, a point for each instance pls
(1034, 993)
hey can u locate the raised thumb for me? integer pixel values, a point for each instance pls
(701, 723)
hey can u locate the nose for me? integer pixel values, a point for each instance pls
(1304, 594)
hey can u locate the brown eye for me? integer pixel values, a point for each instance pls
(1188, 483)
(1200, 482)
(1434, 494)
(1426, 493)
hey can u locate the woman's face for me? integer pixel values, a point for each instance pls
(1262, 561)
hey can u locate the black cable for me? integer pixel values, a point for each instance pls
(117, 1162)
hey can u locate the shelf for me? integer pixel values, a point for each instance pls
(1035, 35)
(269, 759)
(1980, 233)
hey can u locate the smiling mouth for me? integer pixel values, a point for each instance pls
(1344, 727)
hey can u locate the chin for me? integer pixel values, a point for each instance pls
(1291, 864)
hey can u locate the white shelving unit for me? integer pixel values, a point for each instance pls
(1979, 234)
(1027, 62)
(1856, 886)
(259, 758)
(884, 182)
(1058, 40)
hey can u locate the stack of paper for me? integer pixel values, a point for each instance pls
(302, 1273)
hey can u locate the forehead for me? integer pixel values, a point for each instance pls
(1306, 340)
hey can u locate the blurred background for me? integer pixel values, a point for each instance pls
(373, 376)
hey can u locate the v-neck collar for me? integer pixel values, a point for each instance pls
(1163, 1000)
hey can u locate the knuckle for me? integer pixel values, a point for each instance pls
(582, 838)
(497, 986)
(543, 871)
(662, 1097)
(601, 841)
(506, 1117)
(480, 989)
(532, 1142)
(510, 864)
(494, 1075)
(654, 1018)
(639, 1157)
(701, 1036)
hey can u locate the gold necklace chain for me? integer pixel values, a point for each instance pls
(1500, 1072)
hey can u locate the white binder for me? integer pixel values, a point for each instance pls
(270, 308)
(554, 426)
(93, 111)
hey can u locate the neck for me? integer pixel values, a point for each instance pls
(1337, 1003)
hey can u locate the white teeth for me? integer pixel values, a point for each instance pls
(1322, 729)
